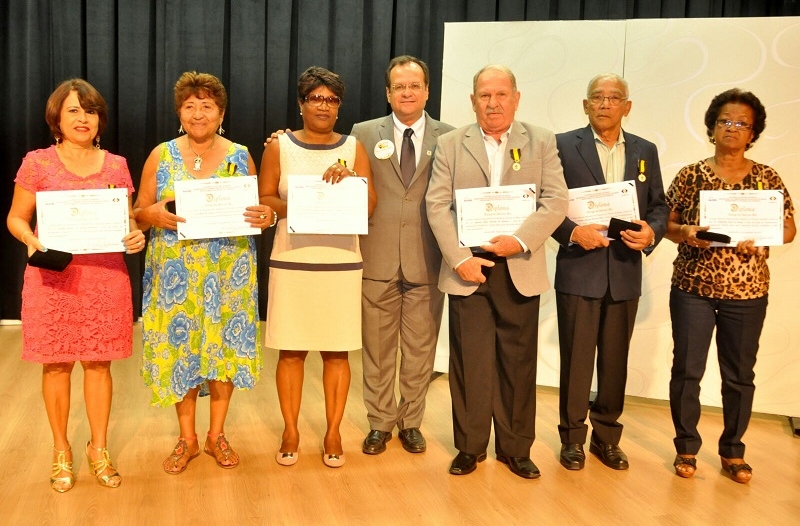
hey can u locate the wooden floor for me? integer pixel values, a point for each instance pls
(392, 488)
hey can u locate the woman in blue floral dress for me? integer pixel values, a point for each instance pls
(200, 306)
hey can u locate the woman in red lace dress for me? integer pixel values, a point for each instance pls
(83, 313)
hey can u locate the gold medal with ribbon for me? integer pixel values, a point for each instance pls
(515, 156)
(642, 166)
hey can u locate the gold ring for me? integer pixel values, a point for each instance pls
(262, 216)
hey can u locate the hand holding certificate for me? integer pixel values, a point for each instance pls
(214, 207)
(83, 221)
(598, 204)
(484, 213)
(743, 215)
(317, 207)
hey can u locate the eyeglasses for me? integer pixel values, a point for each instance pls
(614, 100)
(315, 99)
(739, 125)
(400, 88)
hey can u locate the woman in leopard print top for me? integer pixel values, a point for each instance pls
(719, 286)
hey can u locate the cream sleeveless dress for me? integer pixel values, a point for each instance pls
(314, 301)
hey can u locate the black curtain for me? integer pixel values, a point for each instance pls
(134, 51)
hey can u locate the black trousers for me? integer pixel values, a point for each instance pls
(738, 324)
(585, 325)
(493, 349)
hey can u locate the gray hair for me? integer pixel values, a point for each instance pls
(495, 67)
(607, 76)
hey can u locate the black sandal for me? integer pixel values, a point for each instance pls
(685, 461)
(734, 469)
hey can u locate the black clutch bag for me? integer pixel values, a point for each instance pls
(705, 235)
(617, 226)
(50, 259)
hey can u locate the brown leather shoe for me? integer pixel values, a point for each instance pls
(375, 442)
(412, 440)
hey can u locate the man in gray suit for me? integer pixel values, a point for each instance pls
(598, 282)
(401, 261)
(494, 289)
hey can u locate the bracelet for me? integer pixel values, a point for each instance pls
(274, 219)
(685, 238)
(22, 237)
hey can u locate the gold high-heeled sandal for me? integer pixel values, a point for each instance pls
(99, 466)
(62, 466)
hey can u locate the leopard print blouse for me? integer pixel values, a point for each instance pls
(719, 272)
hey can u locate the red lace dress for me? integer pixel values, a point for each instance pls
(85, 312)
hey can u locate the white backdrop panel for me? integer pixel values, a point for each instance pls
(674, 68)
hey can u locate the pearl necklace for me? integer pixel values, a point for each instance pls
(198, 157)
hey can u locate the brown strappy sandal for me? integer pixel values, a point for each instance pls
(181, 456)
(222, 452)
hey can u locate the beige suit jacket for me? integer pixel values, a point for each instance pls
(399, 235)
(461, 162)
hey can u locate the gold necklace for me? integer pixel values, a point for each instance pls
(198, 157)
(728, 184)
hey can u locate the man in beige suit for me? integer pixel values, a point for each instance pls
(494, 289)
(401, 261)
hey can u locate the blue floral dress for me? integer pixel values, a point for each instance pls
(200, 305)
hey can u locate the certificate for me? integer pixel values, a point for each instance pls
(744, 214)
(83, 221)
(215, 207)
(317, 207)
(596, 205)
(484, 213)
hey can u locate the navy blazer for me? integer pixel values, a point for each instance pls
(617, 268)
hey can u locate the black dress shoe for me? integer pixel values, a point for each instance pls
(521, 466)
(609, 454)
(412, 440)
(464, 463)
(572, 456)
(375, 442)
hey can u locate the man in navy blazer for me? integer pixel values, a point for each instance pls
(598, 281)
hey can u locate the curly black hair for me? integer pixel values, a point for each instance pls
(314, 77)
(735, 95)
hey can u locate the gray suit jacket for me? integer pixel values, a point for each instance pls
(399, 234)
(461, 162)
(617, 268)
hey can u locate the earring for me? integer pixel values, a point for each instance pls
(180, 130)
(712, 140)
(221, 130)
(301, 113)
(97, 141)
(58, 141)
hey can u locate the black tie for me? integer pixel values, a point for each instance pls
(408, 158)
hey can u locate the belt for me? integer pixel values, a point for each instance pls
(491, 256)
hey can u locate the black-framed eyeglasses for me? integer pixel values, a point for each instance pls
(614, 100)
(738, 125)
(414, 86)
(315, 99)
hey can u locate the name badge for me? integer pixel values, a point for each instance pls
(384, 149)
